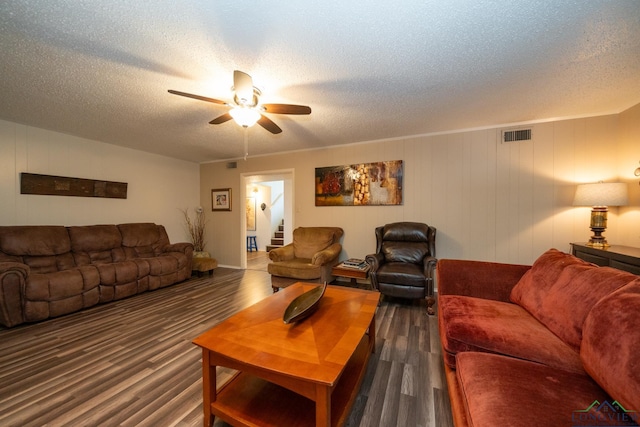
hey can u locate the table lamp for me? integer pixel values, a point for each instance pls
(599, 196)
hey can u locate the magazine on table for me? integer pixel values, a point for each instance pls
(358, 264)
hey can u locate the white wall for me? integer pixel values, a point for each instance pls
(263, 231)
(489, 201)
(158, 187)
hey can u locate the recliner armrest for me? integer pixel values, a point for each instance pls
(17, 267)
(375, 261)
(327, 255)
(429, 264)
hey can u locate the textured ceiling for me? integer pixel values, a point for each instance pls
(369, 70)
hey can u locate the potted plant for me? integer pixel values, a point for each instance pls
(195, 228)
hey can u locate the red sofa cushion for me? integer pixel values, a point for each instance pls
(611, 345)
(561, 289)
(477, 324)
(503, 391)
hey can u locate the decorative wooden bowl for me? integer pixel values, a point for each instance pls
(304, 305)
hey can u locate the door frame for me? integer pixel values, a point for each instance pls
(246, 179)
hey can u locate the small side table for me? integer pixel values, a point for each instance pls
(621, 257)
(351, 273)
(201, 265)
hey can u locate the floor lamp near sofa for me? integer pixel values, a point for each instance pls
(599, 196)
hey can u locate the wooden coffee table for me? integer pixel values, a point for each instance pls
(300, 374)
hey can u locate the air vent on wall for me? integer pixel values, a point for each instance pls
(232, 165)
(514, 135)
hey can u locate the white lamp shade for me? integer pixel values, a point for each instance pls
(601, 194)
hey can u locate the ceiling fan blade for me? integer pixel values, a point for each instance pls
(286, 109)
(201, 98)
(243, 86)
(222, 119)
(269, 125)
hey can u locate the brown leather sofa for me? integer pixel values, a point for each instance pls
(309, 258)
(48, 271)
(404, 263)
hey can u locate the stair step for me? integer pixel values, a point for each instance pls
(279, 235)
(277, 242)
(281, 228)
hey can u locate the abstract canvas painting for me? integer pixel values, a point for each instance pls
(363, 184)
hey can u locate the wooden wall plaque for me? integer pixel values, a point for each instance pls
(31, 183)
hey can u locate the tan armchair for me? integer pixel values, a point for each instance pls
(309, 258)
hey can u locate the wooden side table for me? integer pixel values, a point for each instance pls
(621, 257)
(351, 273)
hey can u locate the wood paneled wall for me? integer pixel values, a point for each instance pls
(158, 187)
(489, 201)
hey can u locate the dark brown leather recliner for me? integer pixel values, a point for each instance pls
(404, 263)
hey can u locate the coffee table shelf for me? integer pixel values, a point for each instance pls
(248, 400)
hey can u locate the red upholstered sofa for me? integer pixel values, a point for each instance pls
(48, 271)
(554, 344)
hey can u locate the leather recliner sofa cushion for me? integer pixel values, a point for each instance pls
(148, 243)
(101, 246)
(96, 244)
(61, 292)
(45, 249)
(142, 240)
(405, 244)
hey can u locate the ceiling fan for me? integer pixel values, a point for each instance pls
(246, 108)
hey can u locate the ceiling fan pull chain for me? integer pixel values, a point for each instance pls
(246, 143)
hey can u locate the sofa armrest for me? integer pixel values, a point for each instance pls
(284, 253)
(13, 277)
(480, 279)
(325, 256)
(183, 247)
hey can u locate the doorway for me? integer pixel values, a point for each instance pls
(269, 196)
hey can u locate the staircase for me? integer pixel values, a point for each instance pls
(277, 241)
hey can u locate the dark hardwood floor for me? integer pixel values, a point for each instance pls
(132, 363)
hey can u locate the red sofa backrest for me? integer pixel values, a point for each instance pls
(610, 350)
(561, 289)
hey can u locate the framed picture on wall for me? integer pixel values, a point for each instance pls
(251, 214)
(363, 184)
(221, 199)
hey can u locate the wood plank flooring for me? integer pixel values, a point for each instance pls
(132, 363)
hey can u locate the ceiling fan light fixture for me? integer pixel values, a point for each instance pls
(245, 117)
